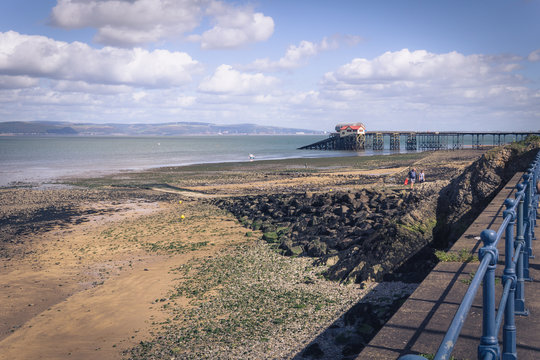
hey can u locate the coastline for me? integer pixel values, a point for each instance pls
(74, 252)
(42, 159)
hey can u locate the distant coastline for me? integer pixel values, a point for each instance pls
(52, 128)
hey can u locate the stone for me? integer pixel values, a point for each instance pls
(270, 237)
(332, 260)
(316, 249)
(354, 346)
(295, 251)
(313, 351)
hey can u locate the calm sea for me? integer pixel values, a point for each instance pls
(37, 159)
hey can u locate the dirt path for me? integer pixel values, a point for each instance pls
(89, 291)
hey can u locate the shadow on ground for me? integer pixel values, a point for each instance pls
(346, 337)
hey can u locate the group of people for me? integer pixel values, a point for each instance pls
(411, 177)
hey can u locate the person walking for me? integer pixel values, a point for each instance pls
(421, 177)
(412, 177)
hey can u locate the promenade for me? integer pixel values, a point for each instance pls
(421, 323)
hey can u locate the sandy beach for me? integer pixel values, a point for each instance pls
(101, 268)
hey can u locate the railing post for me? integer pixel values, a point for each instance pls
(509, 327)
(536, 175)
(534, 199)
(520, 285)
(521, 222)
(529, 212)
(488, 342)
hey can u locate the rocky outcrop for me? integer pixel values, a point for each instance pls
(361, 235)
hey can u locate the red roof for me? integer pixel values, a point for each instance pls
(354, 127)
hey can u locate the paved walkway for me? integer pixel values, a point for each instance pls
(421, 323)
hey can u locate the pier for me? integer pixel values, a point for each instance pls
(417, 141)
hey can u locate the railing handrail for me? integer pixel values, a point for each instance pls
(517, 252)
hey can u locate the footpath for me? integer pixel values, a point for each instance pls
(422, 321)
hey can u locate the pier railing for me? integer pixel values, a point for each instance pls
(519, 220)
(417, 141)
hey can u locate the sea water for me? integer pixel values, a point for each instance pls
(39, 159)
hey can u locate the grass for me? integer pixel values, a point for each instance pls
(425, 227)
(176, 247)
(468, 280)
(461, 256)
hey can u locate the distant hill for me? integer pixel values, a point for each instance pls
(164, 129)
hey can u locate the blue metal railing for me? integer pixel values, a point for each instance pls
(518, 251)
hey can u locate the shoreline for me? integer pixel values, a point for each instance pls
(74, 251)
(80, 173)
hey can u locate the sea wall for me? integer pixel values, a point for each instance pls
(465, 197)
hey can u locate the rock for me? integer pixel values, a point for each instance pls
(332, 260)
(345, 243)
(343, 210)
(313, 351)
(295, 251)
(270, 237)
(347, 198)
(268, 227)
(286, 245)
(354, 346)
(316, 249)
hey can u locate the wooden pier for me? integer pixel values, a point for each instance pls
(414, 141)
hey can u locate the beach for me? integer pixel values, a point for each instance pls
(147, 265)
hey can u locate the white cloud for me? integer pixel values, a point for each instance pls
(534, 56)
(295, 56)
(127, 23)
(17, 82)
(417, 65)
(42, 57)
(306, 97)
(424, 76)
(235, 27)
(185, 101)
(84, 87)
(227, 80)
(137, 96)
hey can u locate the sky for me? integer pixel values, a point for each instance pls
(419, 65)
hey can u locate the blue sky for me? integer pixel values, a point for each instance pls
(393, 65)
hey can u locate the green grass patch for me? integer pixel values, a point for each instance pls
(175, 247)
(423, 228)
(461, 256)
